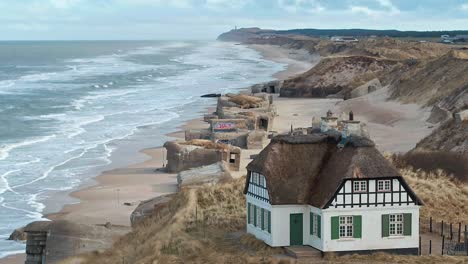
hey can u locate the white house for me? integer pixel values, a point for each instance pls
(307, 190)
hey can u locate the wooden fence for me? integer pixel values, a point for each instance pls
(445, 238)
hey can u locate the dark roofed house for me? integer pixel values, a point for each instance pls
(310, 190)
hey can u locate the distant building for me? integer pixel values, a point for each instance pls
(450, 39)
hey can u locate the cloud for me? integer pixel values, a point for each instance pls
(389, 9)
(169, 3)
(223, 4)
(296, 6)
(388, 4)
(63, 4)
(464, 7)
(364, 10)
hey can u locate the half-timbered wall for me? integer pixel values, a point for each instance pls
(257, 187)
(372, 193)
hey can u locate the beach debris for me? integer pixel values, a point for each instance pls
(210, 95)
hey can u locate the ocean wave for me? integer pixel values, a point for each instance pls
(33, 215)
(6, 149)
(4, 184)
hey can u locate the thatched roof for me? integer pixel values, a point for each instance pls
(308, 169)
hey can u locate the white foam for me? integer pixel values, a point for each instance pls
(4, 184)
(6, 149)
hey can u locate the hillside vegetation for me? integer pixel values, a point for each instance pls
(234, 35)
(207, 226)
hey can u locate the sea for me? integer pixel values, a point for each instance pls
(72, 109)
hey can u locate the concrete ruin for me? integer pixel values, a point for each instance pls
(210, 174)
(184, 155)
(273, 87)
(147, 208)
(461, 116)
(53, 241)
(240, 120)
(367, 88)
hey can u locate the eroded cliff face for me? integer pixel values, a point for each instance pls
(337, 76)
(451, 136)
(442, 81)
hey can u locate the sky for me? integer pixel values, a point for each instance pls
(206, 19)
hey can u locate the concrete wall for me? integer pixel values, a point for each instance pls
(371, 227)
(371, 230)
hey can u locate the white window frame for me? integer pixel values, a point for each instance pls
(396, 225)
(346, 227)
(314, 224)
(359, 186)
(384, 185)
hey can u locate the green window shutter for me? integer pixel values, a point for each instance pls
(248, 213)
(385, 225)
(311, 223)
(269, 222)
(357, 226)
(319, 226)
(335, 227)
(263, 219)
(255, 215)
(407, 224)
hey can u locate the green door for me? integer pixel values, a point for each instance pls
(295, 229)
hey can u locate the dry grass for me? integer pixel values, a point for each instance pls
(245, 101)
(444, 197)
(207, 225)
(198, 226)
(204, 143)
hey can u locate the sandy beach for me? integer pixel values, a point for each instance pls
(118, 192)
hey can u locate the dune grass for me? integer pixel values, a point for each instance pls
(206, 225)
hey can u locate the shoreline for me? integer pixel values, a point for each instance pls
(128, 179)
(102, 199)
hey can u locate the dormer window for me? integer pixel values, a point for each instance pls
(360, 186)
(384, 185)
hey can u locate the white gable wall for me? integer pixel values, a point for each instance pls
(258, 232)
(371, 229)
(346, 196)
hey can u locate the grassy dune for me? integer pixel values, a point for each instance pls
(207, 225)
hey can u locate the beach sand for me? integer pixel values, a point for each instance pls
(393, 126)
(297, 61)
(104, 201)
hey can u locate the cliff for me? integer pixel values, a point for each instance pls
(337, 76)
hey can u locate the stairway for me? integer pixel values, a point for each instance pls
(300, 252)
